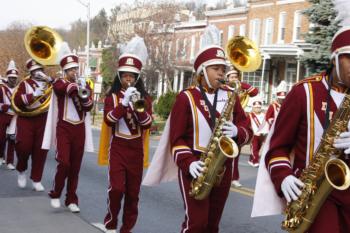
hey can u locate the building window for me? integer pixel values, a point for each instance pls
(282, 27)
(177, 54)
(242, 30)
(255, 30)
(268, 31)
(184, 49)
(297, 26)
(193, 45)
(169, 50)
(231, 32)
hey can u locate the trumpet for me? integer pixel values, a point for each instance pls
(83, 92)
(138, 103)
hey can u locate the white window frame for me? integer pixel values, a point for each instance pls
(193, 46)
(184, 47)
(242, 30)
(254, 32)
(230, 31)
(282, 25)
(268, 36)
(296, 25)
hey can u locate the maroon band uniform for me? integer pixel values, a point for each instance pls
(258, 139)
(70, 136)
(201, 216)
(252, 91)
(6, 115)
(125, 159)
(299, 128)
(30, 131)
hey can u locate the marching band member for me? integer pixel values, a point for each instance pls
(7, 115)
(128, 124)
(189, 129)
(234, 76)
(274, 107)
(70, 109)
(30, 95)
(256, 117)
(304, 116)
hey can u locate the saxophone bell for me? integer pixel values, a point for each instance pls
(338, 174)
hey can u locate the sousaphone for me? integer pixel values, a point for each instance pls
(43, 45)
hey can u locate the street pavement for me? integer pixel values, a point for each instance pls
(160, 208)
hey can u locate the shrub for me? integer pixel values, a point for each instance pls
(164, 104)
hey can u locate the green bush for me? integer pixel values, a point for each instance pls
(164, 104)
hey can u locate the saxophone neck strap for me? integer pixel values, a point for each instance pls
(211, 107)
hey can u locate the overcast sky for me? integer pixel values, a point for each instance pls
(52, 13)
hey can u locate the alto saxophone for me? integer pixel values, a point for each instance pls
(325, 172)
(220, 148)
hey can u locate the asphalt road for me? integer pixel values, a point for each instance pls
(160, 208)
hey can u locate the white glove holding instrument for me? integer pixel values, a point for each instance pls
(343, 141)
(291, 188)
(196, 168)
(38, 92)
(229, 129)
(127, 95)
(39, 75)
(82, 82)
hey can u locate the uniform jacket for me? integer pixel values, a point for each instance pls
(189, 124)
(128, 126)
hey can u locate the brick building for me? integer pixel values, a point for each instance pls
(276, 26)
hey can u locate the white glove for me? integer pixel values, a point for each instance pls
(343, 141)
(38, 92)
(196, 168)
(291, 188)
(82, 82)
(42, 76)
(229, 129)
(127, 95)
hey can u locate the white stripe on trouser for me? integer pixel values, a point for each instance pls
(185, 200)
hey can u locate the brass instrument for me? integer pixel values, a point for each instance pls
(220, 148)
(245, 57)
(243, 95)
(325, 172)
(243, 54)
(138, 103)
(83, 92)
(43, 45)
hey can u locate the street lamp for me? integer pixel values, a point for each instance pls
(87, 5)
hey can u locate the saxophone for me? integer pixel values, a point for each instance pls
(220, 147)
(325, 172)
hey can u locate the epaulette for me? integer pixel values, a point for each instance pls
(315, 78)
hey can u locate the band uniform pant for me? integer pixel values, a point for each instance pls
(29, 137)
(5, 120)
(235, 171)
(334, 215)
(255, 146)
(70, 150)
(125, 176)
(203, 216)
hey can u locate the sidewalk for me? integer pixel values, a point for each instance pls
(30, 212)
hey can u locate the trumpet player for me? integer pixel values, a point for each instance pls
(192, 121)
(128, 123)
(30, 94)
(74, 101)
(7, 115)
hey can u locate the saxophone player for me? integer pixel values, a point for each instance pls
(304, 116)
(192, 120)
(30, 129)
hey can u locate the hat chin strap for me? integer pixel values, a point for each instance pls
(136, 78)
(206, 76)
